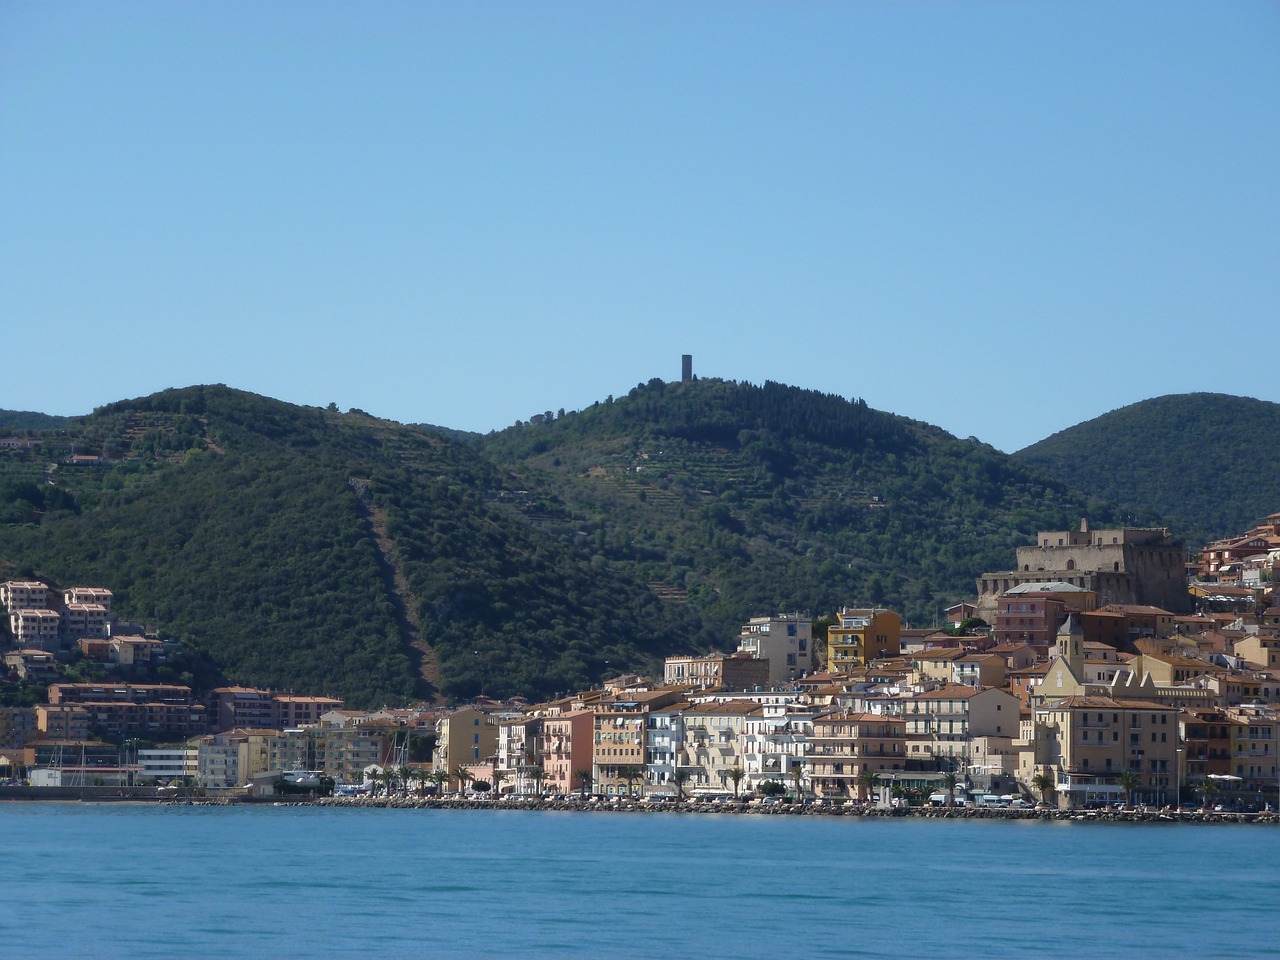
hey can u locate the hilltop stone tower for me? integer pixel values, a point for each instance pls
(686, 368)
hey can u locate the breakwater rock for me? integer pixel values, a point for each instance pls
(812, 808)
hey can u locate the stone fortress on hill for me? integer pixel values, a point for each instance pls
(1143, 566)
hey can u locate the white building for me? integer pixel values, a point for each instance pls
(775, 742)
(163, 764)
(785, 640)
(664, 732)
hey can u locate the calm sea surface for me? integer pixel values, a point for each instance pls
(118, 880)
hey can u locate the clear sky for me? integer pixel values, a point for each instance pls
(1002, 218)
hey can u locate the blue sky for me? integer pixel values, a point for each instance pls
(1002, 218)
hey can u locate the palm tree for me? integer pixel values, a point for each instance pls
(797, 777)
(463, 776)
(868, 780)
(736, 775)
(584, 779)
(537, 775)
(1207, 789)
(420, 777)
(680, 778)
(1129, 781)
(949, 780)
(1044, 783)
(404, 775)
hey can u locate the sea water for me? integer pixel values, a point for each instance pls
(142, 881)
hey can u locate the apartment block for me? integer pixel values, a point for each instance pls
(23, 595)
(849, 746)
(728, 671)
(36, 627)
(566, 748)
(860, 636)
(784, 640)
(1089, 742)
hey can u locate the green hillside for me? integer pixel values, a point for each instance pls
(1207, 463)
(741, 499)
(332, 553)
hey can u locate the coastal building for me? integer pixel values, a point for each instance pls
(1207, 738)
(776, 741)
(233, 707)
(664, 736)
(566, 750)
(467, 735)
(166, 764)
(290, 710)
(861, 635)
(979, 670)
(36, 627)
(17, 727)
(618, 732)
(1100, 749)
(711, 752)
(23, 595)
(854, 753)
(34, 666)
(99, 596)
(130, 709)
(129, 650)
(1254, 747)
(784, 641)
(1123, 565)
(519, 760)
(942, 722)
(728, 671)
(84, 620)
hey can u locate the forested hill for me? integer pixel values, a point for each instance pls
(323, 552)
(1207, 462)
(739, 499)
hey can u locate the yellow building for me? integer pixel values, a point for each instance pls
(860, 636)
(465, 736)
(1091, 742)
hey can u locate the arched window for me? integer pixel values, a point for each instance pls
(1071, 564)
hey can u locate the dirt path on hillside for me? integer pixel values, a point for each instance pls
(402, 597)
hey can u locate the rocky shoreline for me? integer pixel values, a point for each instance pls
(810, 808)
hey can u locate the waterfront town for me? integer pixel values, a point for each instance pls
(1101, 670)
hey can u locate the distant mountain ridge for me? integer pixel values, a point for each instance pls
(1208, 464)
(337, 553)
